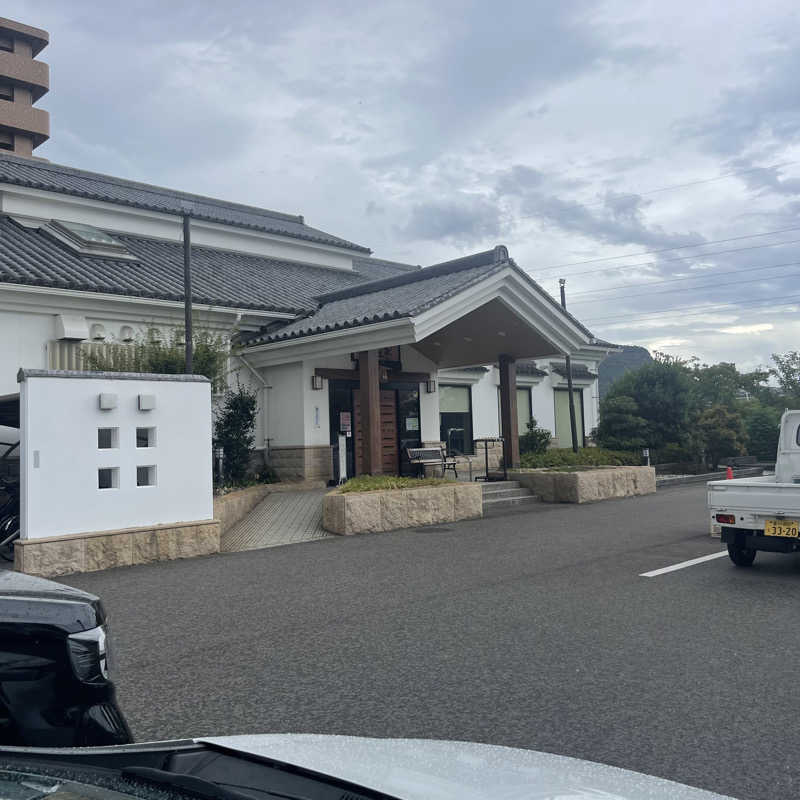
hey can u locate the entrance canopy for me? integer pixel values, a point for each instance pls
(459, 313)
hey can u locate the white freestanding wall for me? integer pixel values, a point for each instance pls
(60, 457)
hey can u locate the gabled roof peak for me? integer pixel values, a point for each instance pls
(488, 258)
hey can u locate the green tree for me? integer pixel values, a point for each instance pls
(762, 428)
(717, 384)
(663, 392)
(621, 427)
(234, 426)
(723, 432)
(535, 439)
(787, 372)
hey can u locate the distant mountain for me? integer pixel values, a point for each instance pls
(617, 364)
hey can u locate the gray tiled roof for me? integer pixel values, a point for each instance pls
(529, 368)
(578, 371)
(377, 268)
(80, 183)
(399, 296)
(219, 277)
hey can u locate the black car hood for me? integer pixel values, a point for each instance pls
(27, 600)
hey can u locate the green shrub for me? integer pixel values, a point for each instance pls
(671, 453)
(587, 456)
(234, 423)
(535, 440)
(374, 483)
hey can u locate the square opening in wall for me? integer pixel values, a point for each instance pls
(145, 437)
(146, 476)
(108, 478)
(107, 438)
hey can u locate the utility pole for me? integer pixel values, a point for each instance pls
(187, 291)
(572, 424)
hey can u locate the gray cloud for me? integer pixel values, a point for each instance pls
(463, 219)
(428, 130)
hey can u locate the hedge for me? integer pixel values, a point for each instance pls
(587, 456)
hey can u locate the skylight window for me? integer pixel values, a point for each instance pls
(88, 235)
(88, 240)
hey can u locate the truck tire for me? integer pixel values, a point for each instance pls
(741, 556)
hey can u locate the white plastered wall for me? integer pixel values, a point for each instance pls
(285, 405)
(544, 411)
(485, 409)
(23, 343)
(60, 457)
(414, 361)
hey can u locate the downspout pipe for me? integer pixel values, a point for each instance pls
(263, 391)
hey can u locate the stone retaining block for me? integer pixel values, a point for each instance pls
(88, 552)
(587, 486)
(371, 512)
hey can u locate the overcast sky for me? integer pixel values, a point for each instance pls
(426, 131)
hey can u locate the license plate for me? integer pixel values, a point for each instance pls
(782, 527)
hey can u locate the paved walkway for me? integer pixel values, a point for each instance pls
(281, 518)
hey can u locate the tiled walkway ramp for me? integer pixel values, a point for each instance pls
(281, 518)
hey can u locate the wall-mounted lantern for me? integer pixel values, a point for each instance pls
(430, 387)
(316, 382)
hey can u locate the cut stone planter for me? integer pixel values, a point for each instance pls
(587, 486)
(371, 512)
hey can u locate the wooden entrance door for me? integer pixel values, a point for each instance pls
(389, 449)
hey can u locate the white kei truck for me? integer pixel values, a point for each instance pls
(763, 513)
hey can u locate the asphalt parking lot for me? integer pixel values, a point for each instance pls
(533, 629)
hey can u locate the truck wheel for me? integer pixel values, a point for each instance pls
(741, 556)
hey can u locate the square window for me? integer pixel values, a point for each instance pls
(108, 478)
(107, 438)
(145, 437)
(146, 476)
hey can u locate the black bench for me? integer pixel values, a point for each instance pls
(422, 457)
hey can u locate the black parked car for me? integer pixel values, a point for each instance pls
(55, 689)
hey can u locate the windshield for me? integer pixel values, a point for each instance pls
(31, 786)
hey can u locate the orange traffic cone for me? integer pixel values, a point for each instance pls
(729, 474)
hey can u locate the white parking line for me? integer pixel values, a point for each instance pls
(690, 563)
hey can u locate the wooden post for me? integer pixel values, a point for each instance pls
(369, 380)
(508, 410)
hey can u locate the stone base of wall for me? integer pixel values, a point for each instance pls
(314, 462)
(88, 552)
(586, 486)
(232, 507)
(370, 512)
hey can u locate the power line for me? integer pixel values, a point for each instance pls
(688, 288)
(672, 186)
(668, 249)
(678, 258)
(703, 308)
(687, 278)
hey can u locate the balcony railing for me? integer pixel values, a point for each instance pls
(86, 355)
